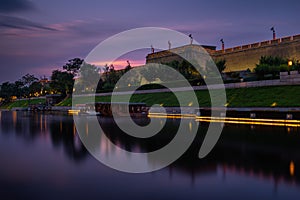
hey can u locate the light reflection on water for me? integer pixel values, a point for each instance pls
(41, 156)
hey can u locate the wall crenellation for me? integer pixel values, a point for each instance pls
(259, 44)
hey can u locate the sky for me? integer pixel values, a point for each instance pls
(38, 36)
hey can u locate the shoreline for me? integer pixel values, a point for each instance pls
(286, 113)
(186, 109)
(273, 113)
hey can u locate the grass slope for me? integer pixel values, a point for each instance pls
(22, 103)
(280, 96)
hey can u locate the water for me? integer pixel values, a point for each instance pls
(41, 157)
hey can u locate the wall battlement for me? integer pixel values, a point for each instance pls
(259, 44)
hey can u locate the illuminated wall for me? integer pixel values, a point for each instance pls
(240, 57)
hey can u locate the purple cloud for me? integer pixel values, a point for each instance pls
(20, 23)
(8, 6)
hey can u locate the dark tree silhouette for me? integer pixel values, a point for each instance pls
(221, 65)
(28, 79)
(62, 82)
(7, 90)
(73, 65)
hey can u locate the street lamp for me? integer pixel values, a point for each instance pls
(290, 63)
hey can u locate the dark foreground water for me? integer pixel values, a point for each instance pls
(41, 157)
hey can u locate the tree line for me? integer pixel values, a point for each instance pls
(62, 80)
(272, 66)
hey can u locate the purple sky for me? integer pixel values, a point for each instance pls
(38, 36)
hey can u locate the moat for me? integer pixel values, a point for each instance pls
(41, 156)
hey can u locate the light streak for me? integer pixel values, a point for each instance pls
(230, 120)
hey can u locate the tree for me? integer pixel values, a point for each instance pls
(271, 65)
(35, 88)
(210, 70)
(73, 65)
(7, 91)
(19, 92)
(112, 77)
(272, 61)
(89, 77)
(182, 68)
(25, 83)
(221, 65)
(62, 82)
(28, 79)
(174, 64)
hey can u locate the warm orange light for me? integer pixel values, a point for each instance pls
(86, 129)
(74, 129)
(190, 126)
(290, 63)
(274, 104)
(252, 123)
(250, 119)
(60, 126)
(120, 64)
(292, 168)
(173, 116)
(14, 117)
(73, 112)
(13, 97)
(269, 122)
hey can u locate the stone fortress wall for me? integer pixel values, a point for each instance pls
(239, 57)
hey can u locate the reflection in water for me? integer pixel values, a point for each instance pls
(31, 126)
(292, 168)
(263, 152)
(62, 131)
(14, 117)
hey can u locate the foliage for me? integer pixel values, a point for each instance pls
(213, 69)
(89, 77)
(186, 69)
(273, 66)
(272, 61)
(18, 90)
(7, 91)
(35, 88)
(221, 65)
(62, 82)
(28, 79)
(73, 65)
(112, 77)
(25, 87)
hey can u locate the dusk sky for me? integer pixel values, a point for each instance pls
(38, 36)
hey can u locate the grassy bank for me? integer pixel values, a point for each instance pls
(22, 103)
(275, 96)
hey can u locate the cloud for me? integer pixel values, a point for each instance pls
(20, 23)
(8, 6)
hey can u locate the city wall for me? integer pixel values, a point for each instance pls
(240, 57)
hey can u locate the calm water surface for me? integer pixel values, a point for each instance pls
(42, 157)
